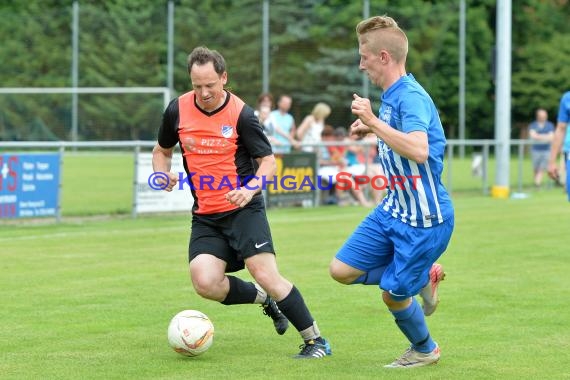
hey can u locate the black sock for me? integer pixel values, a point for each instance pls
(294, 308)
(240, 292)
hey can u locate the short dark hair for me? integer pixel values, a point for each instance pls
(202, 55)
(265, 95)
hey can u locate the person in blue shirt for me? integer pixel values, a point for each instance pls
(398, 243)
(559, 134)
(284, 125)
(541, 131)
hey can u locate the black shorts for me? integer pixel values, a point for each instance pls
(232, 236)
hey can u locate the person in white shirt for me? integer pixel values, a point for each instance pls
(309, 132)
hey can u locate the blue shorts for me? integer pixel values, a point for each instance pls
(405, 253)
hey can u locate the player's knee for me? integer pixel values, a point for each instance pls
(388, 300)
(339, 273)
(395, 302)
(264, 270)
(207, 287)
(266, 279)
(203, 287)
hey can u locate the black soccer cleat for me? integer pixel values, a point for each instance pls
(314, 349)
(270, 309)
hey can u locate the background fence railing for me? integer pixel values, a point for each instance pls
(113, 162)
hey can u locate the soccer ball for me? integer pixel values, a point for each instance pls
(190, 333)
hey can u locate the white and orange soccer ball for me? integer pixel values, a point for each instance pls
(190, 333)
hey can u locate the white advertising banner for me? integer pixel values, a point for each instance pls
(148, 194)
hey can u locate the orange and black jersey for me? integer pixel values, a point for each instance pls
(218, 147)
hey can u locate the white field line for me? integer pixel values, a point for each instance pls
(92, 233)
(185, 226)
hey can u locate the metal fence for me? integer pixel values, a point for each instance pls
(472, 174)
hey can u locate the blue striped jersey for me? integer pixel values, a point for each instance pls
(564, 117)
(415, 193)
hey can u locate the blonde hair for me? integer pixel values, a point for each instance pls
(383, 33)
(321, 111)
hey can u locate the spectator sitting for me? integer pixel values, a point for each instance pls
(355, 157)
(364, 160)
(340, 150)
(375, 169)
(333, 164)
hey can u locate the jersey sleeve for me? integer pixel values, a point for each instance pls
(168, 132)
(564, 110)
(251, 134)
(415, 112)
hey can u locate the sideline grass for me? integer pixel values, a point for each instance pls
(97, 183)
(92, 300)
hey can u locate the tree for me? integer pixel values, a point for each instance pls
(233, 28)
(541, 57)
(122, 44)
(313, 57)
(34, 52)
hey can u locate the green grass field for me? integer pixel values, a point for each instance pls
(97, 183)
(92, 300)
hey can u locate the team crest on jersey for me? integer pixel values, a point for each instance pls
(227, 131)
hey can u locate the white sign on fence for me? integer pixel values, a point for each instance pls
(149, 198)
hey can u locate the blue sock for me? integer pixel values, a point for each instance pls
(372, 277)
(413, 324)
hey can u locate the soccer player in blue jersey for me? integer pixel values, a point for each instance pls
(561, 126)
(397, 244)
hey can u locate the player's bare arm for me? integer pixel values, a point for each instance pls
(267, 169)
(413, 145)
(162, 162)
(557, 140)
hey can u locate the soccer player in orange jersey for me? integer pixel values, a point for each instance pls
(227, 159)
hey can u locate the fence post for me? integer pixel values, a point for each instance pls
(485, 168)
(521, 158)
(75, 73)
(317, 197)
(58, 212)
(135, 181)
